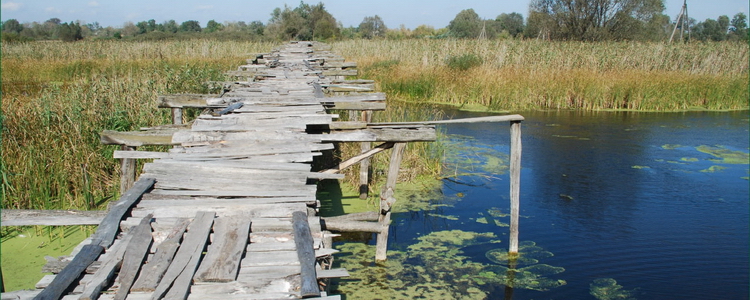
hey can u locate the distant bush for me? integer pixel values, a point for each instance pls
(12, 37)
(463, 62)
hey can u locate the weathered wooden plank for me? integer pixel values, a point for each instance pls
(176, 280)
(240, 192)
(152, 200)
(298, 157)
(152, 272)
(306, 254)
(249, 210)
(333, 273)
(223, 257)
(105, 273)
(426, 133)
(276, 258)
(71, 272)
(136, 138)
(184, 100)
(134, 256)
(515, 184)
(506, 118)
(351, 161)
(387, 200)
(107, 230)
(25, 217)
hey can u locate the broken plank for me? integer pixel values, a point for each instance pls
(152, 272)
(221, 262)
(134, 256)
(105, 273)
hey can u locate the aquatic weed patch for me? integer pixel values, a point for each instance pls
(608, 289)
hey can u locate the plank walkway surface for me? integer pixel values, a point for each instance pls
(229, 211)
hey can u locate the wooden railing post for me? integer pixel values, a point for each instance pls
(515, 183)
(387, 199)
(127, 170)
(364, 165)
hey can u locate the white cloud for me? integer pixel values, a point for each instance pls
(204, 7)
(11, 6)
(93, 3)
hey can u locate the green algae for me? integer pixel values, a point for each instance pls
(608, 289)
(531, 277)
(640, 167)
(670, 146)
(466, 156)
(24, 248)
(528, 254)
(432, 268)
(714, 169)
(689, 159)
(452, 218)
(724, 155)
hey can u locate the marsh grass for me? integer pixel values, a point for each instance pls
(57, 97)
(529, 74)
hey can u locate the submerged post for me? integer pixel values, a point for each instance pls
(515, 183)
(386, 201)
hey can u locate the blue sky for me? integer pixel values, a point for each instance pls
(410, 13)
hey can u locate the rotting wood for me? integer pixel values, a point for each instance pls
(152, 272)
(364, 165)
(351, 161)
(70, 273)
(304, 243)
(387, 199)
(223, 257)
(137, 138)
(127, 170)
(134, 256)
(176, 280)
(105, 273)
(107, 230)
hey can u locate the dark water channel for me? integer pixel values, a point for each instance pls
(633, 205)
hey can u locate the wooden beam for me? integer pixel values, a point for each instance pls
(71, 272)
(107, 230)
(506, 118)
(137, 138)
(515, 183)
(127, 170)
(387, 200)
(26, 217)
(364, 165)
(304, 243)
(349, 162)
(414, 134)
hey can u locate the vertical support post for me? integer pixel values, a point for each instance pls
(515, 183)
(364, 165)
(127, 170)
(387, 200)
(177, 115)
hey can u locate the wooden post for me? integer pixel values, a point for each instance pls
(127, 170)
(364, 166)
(177, 115)
(515, 183)
(387, 200)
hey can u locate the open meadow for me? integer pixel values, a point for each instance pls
(57, 97)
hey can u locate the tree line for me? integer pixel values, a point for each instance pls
(591, 20)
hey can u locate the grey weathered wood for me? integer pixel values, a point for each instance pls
(364, 165)
(506, 118)
(304, 242)
(176, 281)
(107, 230)
(127, 170)
(387, 200)
(515, 184)
(424, 133)
(333, 273)
(25, 217)
(176, 115)
(105, 273)
(70, 273)
(134, 255)
(136, 138)
(364, 155)
(152, 272)
(223, 257)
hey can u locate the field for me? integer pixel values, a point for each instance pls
(57, 96)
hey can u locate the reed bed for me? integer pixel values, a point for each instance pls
(532, 74)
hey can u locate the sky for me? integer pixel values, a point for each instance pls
(410, 13)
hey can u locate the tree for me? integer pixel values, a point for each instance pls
(305, 22)
(70, 32)
(466, 24)
(372, 27)
(213, 26)
(12, 26)
(512, 23)
(593, 19)
(738, 28)
(190, 26)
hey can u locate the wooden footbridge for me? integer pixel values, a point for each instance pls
(230, 211)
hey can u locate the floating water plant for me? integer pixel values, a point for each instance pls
(531, 277)
(465, 156)
(724, 155)
(608, 289)
(528, 254)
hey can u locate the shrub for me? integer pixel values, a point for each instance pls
(463, 62)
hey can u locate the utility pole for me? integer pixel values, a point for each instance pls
(683, 17)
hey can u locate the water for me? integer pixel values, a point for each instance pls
(658, 202)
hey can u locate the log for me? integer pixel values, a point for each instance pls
(304, 242)
(107, 230)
